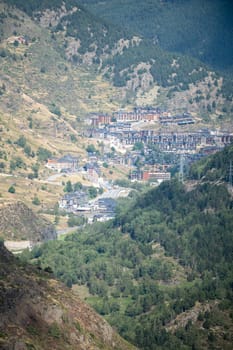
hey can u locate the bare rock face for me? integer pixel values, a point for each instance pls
(18, 222)
(38, 312)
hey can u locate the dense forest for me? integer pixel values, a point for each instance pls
(170, 24)
(167, 23)
(215, 168)
(33, 6)
(166, 256)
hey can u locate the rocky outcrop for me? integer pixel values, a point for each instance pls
(38, 312)
(49, 18)
(18, 222)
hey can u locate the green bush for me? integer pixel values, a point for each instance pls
(11, 189)
(54, 330)
(76, 221)
(36, 201)
(43, 154)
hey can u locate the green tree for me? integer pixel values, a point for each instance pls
(76, 221)
(91, 149)
(78, 186)
(105, 165)
(68, 187)
(27, 150)
(56, 219)
(2, 166)
(17, 162)
(43, 154)
(138, 146)
(21, 141)
(36, 201)
(11, 189)
(92, 191)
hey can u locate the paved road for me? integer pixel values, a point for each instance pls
(116, 193)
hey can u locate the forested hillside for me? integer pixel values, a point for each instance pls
(39, 313)
(161, 272)
(215, 168)
(170, 24)
(148, 50)
(44, 100)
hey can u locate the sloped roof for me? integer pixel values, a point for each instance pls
(67, 159)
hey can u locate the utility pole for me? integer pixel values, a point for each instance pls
(181, 171)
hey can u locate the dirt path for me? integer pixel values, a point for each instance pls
(17, 246)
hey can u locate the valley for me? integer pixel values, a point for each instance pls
(116, 175)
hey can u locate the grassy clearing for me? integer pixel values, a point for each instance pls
(81, 291)
(26, 191)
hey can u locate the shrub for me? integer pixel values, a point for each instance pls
(54, 331)
(76, 221)
(11, 189)
(43, 154)
(2, 166)
(36, 201)
(21, 142)
(17, 162)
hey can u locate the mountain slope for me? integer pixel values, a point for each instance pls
(38, 312)
(161, 272)
(44, 101)
(171, 23)
(216, 168)
(18, 222)
(134, 63)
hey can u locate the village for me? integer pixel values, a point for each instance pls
(129, 139)
(94, 203)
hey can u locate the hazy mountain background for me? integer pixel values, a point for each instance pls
(202, 29)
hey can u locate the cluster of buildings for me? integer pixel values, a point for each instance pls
(150, 174)
(142, 147)
(177, 141)
(120, 128)
(177, 119)
(146, 114)
(166, 141)
(70, 164)
(99, 209)
(63, 164)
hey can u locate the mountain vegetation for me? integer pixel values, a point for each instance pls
(170, 24)
(137, 49)
(216, 168)
(44, 101)
(18, 222)
(161, 271)
(38, 313)
(60, 61)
